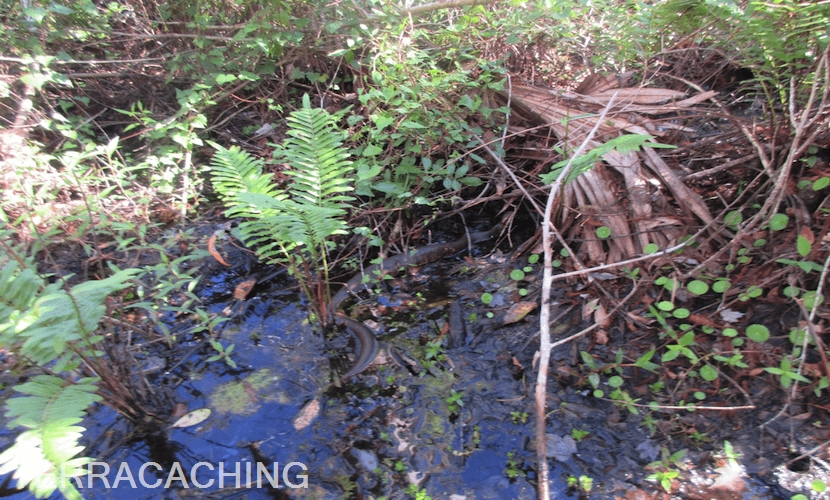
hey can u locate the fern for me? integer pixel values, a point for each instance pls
(49, 325)
(44, 457)
(295, 225)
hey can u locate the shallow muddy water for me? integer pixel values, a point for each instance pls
(451, 422)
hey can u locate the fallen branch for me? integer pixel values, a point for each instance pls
(545, 347)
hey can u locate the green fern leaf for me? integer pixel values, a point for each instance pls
(43, 458)
(320, 165)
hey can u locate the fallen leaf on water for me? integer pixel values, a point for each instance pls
(193, 418)
(307, 414)
(243, 289)
(518, 311)
(214, 252)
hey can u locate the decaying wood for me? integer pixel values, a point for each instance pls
(629, 208)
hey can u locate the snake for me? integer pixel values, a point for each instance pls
(367, 343)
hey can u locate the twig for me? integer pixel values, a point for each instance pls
(691, 407)
(545, 347)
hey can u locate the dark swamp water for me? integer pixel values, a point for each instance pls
(451, 423)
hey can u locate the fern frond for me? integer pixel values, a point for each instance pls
(320, 165)
(234, 171)
(44, 457)
(41, 322)
(58, 317)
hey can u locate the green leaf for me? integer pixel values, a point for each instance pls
(778, 222)
(603, 232)
(372, 150)
(681, 313)
(733, 219)
(803, 246)
(757, 333)
(517, 275)
(224, 78)
(651, 248)
(697, 287)
(821, 183)
(708, 373)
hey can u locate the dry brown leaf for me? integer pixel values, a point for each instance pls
(214, 252)
(601, 316)
(588, 308)
(518, 311)
(243, 289)
(807, 234)
(306, 415)
(601, 337)
(518, 364)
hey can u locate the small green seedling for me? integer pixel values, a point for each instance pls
(223, 353)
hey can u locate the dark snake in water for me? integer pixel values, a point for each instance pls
(367, 344)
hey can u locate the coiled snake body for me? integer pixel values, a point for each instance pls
(367, 344)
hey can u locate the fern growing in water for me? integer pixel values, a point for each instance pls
(48, 325)
(292, 227)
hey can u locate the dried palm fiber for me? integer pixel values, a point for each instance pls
(638, 211)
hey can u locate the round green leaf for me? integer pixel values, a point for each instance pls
(616, 381)
(708, 373)
(700, 395)
(522, 292)
(797, 336)
(556, 263)
(778, 222)
(758, 333)
(681, 313)
(487, 298)
(729, 332)
(721, 286)
(733, 219)
(603, 232)
(697, 287)
(791, 291)
(760, 242)
(533, 259)
(517, 275)
(564, 253)
(810, 299)
(651, 248)
(665, 305)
